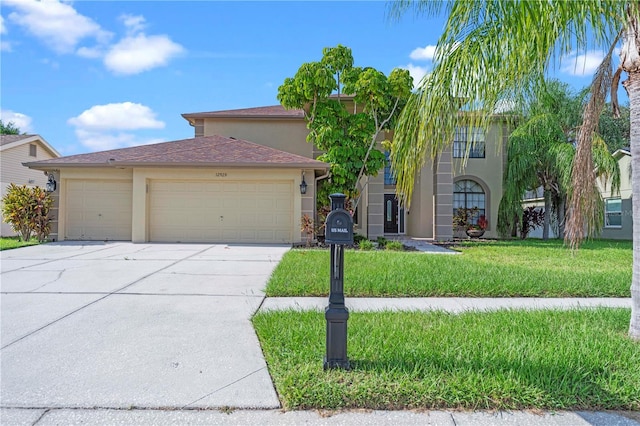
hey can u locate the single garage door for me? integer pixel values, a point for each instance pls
(98, 210)
(221, 211)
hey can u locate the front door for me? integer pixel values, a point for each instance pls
(390, 214)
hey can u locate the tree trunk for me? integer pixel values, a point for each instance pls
(630, 62)
(547, 214)
(633, 89)
(561, 216)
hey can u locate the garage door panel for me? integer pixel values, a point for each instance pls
(217, 211)
(98, 209)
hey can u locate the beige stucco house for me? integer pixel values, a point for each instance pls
(18, 149)
(239, 180)
(618, 219)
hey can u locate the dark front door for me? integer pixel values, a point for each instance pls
(390, 214)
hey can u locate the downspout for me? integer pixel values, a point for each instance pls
(315, 197)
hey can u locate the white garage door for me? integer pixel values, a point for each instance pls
(221, 211)
(98, 210)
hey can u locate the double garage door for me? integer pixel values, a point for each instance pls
(220, 211)
(184, 211)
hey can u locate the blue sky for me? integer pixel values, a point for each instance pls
(96, 75)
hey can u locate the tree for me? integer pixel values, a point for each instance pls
(9, 128)
(348, 138)
(497, 51)
(615, 131)
(540, 154)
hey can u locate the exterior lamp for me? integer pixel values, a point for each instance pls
(303, 185)
(51, 184)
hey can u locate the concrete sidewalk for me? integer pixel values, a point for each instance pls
(448, 304)
(50, 417)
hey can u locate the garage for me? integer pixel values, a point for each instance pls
(229, 211)
(210, 189)
(98, 210)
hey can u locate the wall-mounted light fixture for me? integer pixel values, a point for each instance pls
(51, 183)
(303, 185)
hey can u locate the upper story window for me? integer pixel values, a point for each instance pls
(468, 138)
(33, 150)
(389, 178)
(613, 213)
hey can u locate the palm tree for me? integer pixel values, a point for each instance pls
(496, 52)
(540, 154)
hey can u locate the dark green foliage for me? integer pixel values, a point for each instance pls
(347, 136)
(8, 128)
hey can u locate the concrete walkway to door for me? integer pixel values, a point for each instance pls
(122, 325)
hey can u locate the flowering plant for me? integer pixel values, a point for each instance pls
(464, 218)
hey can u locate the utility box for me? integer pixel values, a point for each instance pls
(339, 224)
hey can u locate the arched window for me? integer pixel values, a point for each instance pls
(468, 194)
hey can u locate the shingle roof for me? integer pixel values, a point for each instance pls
(273, 111)
(196, 152)
(7, 139)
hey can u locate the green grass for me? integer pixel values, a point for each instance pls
(579, 359)
(497, 269)
(7, 243)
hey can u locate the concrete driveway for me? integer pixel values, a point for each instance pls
(127, 325)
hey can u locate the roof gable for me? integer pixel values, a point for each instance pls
(204, 151)
(12, 141)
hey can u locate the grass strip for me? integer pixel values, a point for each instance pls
(565, 360)
(7, 243)
(498, 269)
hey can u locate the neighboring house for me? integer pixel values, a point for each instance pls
(618, 219)
(239, 178)
(18, 149)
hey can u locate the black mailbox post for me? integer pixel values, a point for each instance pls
(338, 232)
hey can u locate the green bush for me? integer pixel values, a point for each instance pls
(394, 246)
(382, 242)
(358, 238)
(27, 211)
(365, 245)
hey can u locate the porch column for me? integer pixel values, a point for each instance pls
(443, 196)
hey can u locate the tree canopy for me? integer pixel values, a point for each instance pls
(493, 52)
(346, 109)
(9, 128)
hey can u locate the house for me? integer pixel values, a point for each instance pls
(618, 218)
(241, 178)
(15, 150)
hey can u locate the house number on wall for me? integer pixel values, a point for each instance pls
(221, 174)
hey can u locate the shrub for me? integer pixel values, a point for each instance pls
(532, 217)
(365, 245)
(382, 242)
(394, 246)
(27, 211)
(306, 226)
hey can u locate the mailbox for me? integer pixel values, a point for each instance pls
(339, 224)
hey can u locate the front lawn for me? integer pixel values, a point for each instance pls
(7, 243)
(552, 360)
(529, 268)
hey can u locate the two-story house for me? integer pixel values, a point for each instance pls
(248, 175)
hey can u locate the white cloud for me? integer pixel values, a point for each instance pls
(57, 24)
(417, 72)
(3, 28)
(19, 120)
(90, 52)
(426, 53)
(133, 55)
(103, 127)
(5, 46)
(102, 141)
(582, 65)
(120, 116)
(134, 23)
